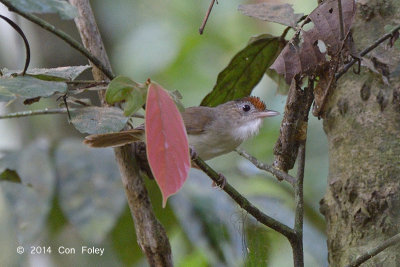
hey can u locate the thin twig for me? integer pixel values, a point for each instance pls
(46, 111)
(29, 113)
(244, 203)
(366, 51)
(341, 22)
(27, 49)
(64, 36)
(298, 255)
(286, 30)
(87, 82)
(280, 175)
(373, 252)
(203, 25)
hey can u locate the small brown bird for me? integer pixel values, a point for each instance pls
(212, 131)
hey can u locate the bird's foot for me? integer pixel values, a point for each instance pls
(193, 153)
(221, 181)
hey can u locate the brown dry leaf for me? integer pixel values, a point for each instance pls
(279, 13)
(317, 42)
(326, 80)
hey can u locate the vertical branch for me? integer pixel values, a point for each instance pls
(301, 135)
(297, 244)
(341, 22)
(151, 235)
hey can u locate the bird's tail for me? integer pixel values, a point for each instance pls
(114, 139)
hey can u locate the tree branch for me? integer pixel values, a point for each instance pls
(151, 235)
(46, 111)
(27, 48)
(280, 175)
(375, 251)
(28, 113)
(341, 22)
(203, 25)
(62, 35)
(366, 51)
(244, 203)
(297, 245)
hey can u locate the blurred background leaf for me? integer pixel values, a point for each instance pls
(91, 193)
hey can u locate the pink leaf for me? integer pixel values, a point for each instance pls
(167, 143)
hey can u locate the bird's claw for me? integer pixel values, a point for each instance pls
(193, 153)
(221, 182)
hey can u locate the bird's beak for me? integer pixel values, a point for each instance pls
(267, 113)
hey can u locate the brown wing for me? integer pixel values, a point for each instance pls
(196, 119)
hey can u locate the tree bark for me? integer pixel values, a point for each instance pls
(362, 123)
(151, 235)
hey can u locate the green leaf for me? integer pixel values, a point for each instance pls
(134, 102)
(98, 120)
(119, 89)
(68, 73)
(6, 96)
(124, 89)
(62, 8)
(91, 193)
(244, 71)
(29, 87)
(282, 86)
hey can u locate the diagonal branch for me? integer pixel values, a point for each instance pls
(375, 251)
(244, 203)
(203, 25)
(280, 175)
(62, 35)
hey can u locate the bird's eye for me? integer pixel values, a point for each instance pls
(246, 108)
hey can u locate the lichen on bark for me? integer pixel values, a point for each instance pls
(362, 123)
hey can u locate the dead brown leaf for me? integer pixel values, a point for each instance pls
(279, 13)
(317, 42)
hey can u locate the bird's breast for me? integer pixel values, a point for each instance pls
(209, 145)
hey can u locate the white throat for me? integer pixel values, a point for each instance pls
(247, 130)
